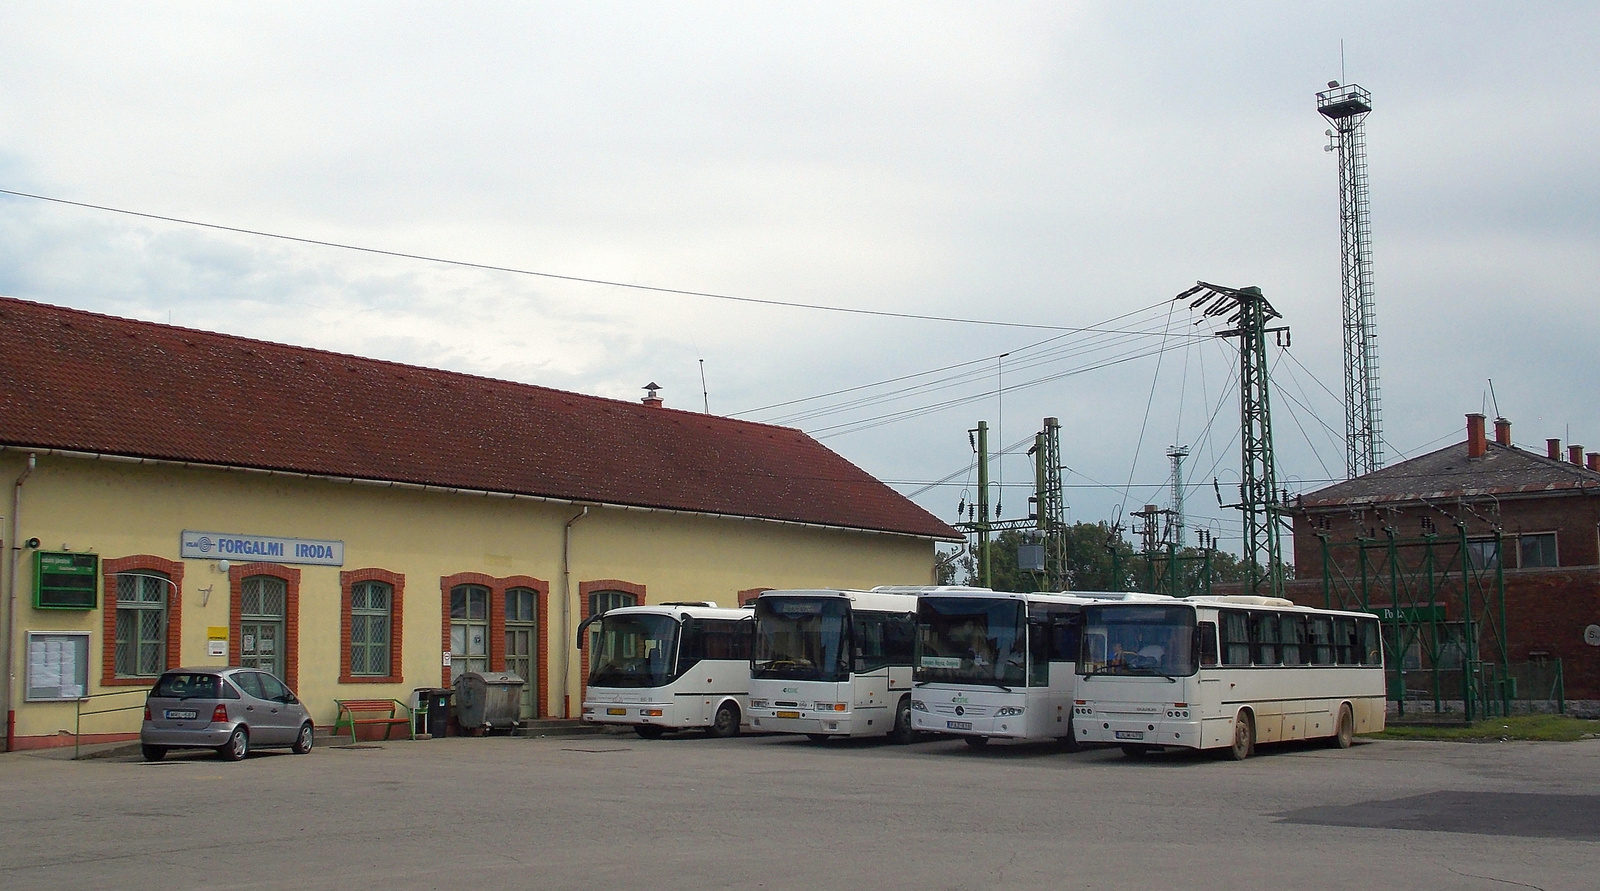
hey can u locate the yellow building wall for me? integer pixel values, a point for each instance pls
(118, 510)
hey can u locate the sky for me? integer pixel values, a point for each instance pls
(996, 202)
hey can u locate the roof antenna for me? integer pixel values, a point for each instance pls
(704, 393)
(1494, 400)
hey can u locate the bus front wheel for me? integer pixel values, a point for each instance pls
(1244, 737)
(903, 732)
(726, 722)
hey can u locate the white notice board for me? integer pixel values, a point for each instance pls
(58, 665)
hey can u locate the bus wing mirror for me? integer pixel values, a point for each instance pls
(584, 626)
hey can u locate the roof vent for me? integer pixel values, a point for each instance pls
(650, 397)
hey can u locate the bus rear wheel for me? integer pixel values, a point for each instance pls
(1345, 733)
(1244, 737)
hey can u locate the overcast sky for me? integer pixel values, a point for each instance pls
(1063, 165)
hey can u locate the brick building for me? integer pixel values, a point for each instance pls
(1439, 537)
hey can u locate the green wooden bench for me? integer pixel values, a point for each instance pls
(390, 713)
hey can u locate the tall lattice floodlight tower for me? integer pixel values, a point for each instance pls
(1346, 107)
(1177, 453)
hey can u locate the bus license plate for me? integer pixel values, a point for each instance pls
(958, 725)
(616, 711)
(1130, 734)
(788, 714)
(181, 714)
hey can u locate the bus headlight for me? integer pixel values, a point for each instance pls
(1008, 711)
(917, 705)
(759, 703)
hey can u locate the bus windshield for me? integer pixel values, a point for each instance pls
(634, 651)
(1138, 639)
(802, 639)
(972, 640)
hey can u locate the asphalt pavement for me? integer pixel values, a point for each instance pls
(614, 811)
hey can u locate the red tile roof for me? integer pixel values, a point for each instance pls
(80, 381)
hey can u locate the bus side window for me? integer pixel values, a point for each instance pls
(691, 644)
(1264, 637)
(1208, 643)
(1371, 642)
(1321, 640)
(1294, 639)
(1345, 649)
(899, 639)
(1235, 637)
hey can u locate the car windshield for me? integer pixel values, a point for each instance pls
(971, 640)
(187, 685)
(802, 638)
(633, 651)
(1138, 639)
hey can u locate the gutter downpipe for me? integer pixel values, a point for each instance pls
(6, 638)
(566, 609)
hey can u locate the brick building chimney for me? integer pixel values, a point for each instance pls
(1552, 449)
(650, 397)
(1477, 444)
(1575, 454)
(1502, 432)
(1594, 460)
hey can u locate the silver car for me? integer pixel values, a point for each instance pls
(231, 710)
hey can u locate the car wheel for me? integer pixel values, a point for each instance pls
(1244, 737)
(237, 746)
(302, 741)
(153, 753)
(649, 731)
(726, 723)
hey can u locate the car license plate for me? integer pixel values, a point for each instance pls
(788, 714)
(181, 714)
(616, 711)
(958, 725)
(1130, 734)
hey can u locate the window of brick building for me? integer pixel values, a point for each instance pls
(1534, 551)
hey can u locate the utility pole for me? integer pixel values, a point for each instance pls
(1048, 520)
(985, 576)
(1259, 501)
(1346, 108)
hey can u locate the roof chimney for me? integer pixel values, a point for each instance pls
(1552, 449)
(1594, 460)
(1502, 432)
(650, 397)
(1575, 454)
(1476, 443)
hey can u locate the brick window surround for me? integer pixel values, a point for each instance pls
(237, 573)
(587, 588)
(173, 570)
(497, 625)
(397, 586)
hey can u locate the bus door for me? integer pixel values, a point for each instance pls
(869, 665)
(1223, 642)
(1052, 638)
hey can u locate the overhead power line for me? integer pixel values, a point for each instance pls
(513, 270)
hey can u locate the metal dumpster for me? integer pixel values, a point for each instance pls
(490, 700)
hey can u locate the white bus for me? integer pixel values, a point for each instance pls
(668, 666)
(1226, 673)
(834, 663)
(992, 664)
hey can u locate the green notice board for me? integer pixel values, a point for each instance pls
(65, 581)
